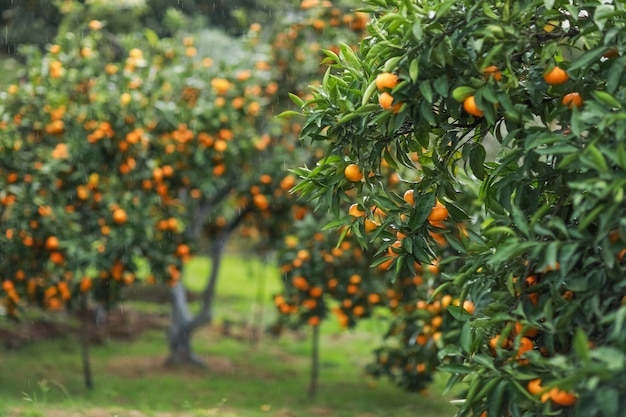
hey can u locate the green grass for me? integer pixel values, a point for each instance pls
(241, 379)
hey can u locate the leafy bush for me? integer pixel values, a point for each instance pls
(537, 235)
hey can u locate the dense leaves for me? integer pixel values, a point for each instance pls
(529, 157)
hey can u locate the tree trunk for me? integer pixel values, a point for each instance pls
(84, 342)
(315, 363)
(184, 323)
(180, 330)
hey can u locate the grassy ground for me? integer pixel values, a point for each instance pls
(269, 378)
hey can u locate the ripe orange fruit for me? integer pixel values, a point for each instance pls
(386, 80)
(358, 311)
(572, 100)
(85, 284)
(120, 216)
(395, 245)
(556, 76)
(530, 332)
(492, 71)
(95, 25)
(373, 298)
(534, 386)
(525, 344)
(261, 201)
(44, 211)
(167, 171)
(288, 182)
(370, 225)
(386, 102)
(56, 257)
(433, 268)
(409, 197)
(562, 398)
(355, 211)
(82, 192)
(52, 243)
(314, 321)
(468, 306)
(316, 292)
(353, 173)
(498, 340)
(438, 213)
(469, 104)
(182, 250)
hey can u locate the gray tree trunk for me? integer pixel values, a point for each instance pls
(184, 323)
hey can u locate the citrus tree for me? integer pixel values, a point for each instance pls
(115, 156)
(515, 113)
(320, 276)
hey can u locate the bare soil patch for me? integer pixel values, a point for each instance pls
(118, 324)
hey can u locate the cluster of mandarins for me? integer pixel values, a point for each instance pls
(387, 81)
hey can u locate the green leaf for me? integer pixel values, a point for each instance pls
(442, 9)
(549, 4)
(426, 91)
(607, 99)
(459, 313)
(288, 113)
(441, 86)
(455, 369)
(369, 91)
(391, 64)
(596, 158)
(439, 289)
(462, 92)
(602, 14)
(477, 160)
(466, 337)
(330, 54)
(494, 398)
(423, 206)
(618, 324)
(615, 75)
(297, 100)
(588, 57)
(151, 36)
(414, 70)
(581, 345)
(350, 56)
(416, 30)
(345, 119)
(487, 387)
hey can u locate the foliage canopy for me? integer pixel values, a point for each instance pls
(530, 165)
